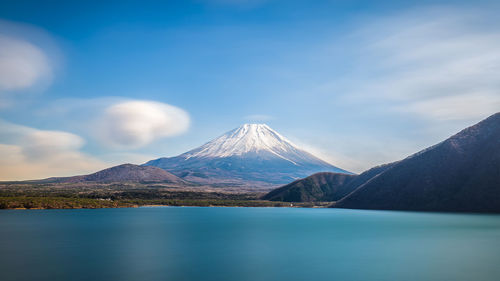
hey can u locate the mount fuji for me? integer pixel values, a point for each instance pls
(251, 155)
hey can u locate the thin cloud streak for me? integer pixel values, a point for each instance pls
(432, 65)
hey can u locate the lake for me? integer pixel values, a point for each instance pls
(196, 243)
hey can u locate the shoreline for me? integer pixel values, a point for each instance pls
(165, 206)
(63, 203)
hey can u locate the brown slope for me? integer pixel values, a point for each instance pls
(461, 173)
(125, 173)
(318, 187)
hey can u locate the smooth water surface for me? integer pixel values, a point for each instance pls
(247, 244)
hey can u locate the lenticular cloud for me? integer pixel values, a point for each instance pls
(21, 64)
(138, 123)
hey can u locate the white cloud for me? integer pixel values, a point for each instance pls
(22, 64)
(39, 144)
(132, 124)
(435, 63)
(29, 59)
(29, 153)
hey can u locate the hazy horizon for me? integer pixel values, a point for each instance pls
(86, 85)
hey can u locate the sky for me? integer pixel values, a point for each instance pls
(85, 85)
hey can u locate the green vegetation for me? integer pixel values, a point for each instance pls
(57, 203)
(215, 203)
(119, 196)
(79, 203)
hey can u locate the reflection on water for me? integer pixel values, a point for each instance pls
(247, 244)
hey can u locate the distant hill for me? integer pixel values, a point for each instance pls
(323, 186)
(461, 173)
(364, 177)
(318, 187)
(251, 155)
(124, 173)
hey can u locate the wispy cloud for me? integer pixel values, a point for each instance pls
(357, 153)
(29, 153)
(435, 63)
(456, 107)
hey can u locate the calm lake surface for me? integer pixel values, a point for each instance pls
(192, 243)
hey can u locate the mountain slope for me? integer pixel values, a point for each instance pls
(124, 173)
(323, 186)
(252, 154)
(461, 173)
(317, 187)
(367, 176)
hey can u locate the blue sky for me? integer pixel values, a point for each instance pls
(85, 85)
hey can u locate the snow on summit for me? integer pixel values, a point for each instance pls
(247, 138)
(252, 154)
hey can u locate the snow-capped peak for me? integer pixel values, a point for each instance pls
(251, 152)
(245, 139)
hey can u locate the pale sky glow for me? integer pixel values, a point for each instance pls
(358, 83)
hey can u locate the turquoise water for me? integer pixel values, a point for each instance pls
(247, 244)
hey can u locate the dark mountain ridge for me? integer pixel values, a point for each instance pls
(318, 187)
(323, 186)
(460, 174)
